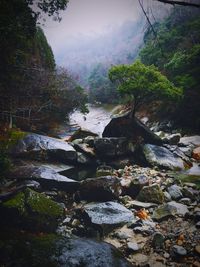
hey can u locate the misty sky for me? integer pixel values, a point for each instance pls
(89, 17)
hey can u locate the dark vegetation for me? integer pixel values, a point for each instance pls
(176, 53)
(33, 92)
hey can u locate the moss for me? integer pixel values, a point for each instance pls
(17, 202)
(40, 204)
(10, 138)
(33, 211)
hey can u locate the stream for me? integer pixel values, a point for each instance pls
(94, 121)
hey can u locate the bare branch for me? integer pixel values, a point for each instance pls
(181, 3)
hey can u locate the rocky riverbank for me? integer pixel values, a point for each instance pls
(138, 212)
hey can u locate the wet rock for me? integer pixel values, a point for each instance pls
(161, 157)
(133, 246)
(124, 126)
(172, 139)
(163, 212)
(82, 133)
(84, 159)
(135, 185)
(178, 251)
(32, 211)
(185, 201)
(100, 189)
(108, 214)
(167, 196)
(47, 177)
(60, 252)
(151, 193)
(138, 204)
(190, 140)
(180, 208)
(175, 192)
(111, 147)
(189, 193)
(158, 240)
(39, 147)
(169, 210)
(86, 149)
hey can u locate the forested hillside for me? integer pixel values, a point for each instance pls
(176, 52)
(32, 90)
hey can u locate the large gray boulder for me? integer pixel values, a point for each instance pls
(39, 147)
(161, 157)
(111, 214)
(131, 128)
(47, 177)
(100, 189)
(111, 147)
(60, 252)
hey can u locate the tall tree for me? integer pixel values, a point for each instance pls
(143, 84)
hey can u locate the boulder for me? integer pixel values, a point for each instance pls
(131, 128)
(190, 140)
(169, 210)
(32, 211)
(196, 153)
(100, 189)
(135, 185)
(161, 157)
(39, 147)
(82, 133)
(111, 147)
(152, 193)
(47, 177)
(107, 215)
(172, 139)
(53, 250)
(175, 192)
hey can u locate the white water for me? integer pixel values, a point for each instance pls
(95, 121)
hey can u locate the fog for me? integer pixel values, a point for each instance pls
(93, 31)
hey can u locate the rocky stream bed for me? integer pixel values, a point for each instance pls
(139, 209)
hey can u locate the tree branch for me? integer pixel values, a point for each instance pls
(181, 3)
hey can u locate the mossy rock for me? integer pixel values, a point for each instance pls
(32, 210)
(152, 193)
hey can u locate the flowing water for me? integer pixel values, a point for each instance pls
(96, 120)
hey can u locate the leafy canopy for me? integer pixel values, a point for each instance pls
(143, 83)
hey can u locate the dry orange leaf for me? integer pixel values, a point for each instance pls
(142, 214)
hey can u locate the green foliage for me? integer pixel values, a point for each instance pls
(176, 52)
(100, 87)
(44, 51)
(143, 83)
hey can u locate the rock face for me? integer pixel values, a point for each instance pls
(47, 177)
(161, 157)
(111, 147)
(61, 252)
(39, 147)
(108, 214)
(32, 211)
(100, 189)
(152, 193)
(124, 126)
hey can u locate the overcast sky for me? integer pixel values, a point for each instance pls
(89, 17)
